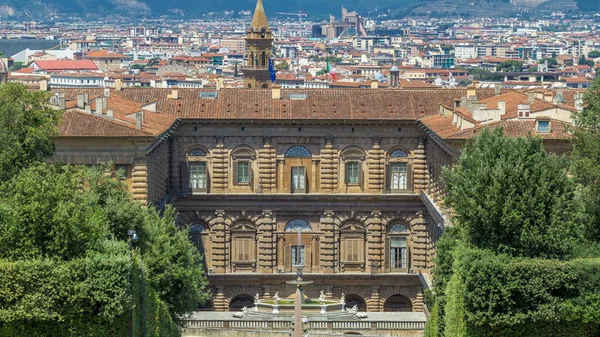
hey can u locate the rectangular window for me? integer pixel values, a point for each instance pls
(353, 250)
(352, 172)
(198, 176)
(243, 172)
(298, 179)
(244, 246)
(298, 255)
(543, 126)
(399, 176)
(398, 252)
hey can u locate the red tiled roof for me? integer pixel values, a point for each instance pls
(105, 54)
(55, 65)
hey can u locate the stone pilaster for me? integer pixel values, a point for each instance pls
(267, 244)
(327, 246)
(220, 239)
(375, 159)
(419, 242)
(375, 244)
(329, 169)
(219, 301)
(374, 302)
(220, 167)
(419, 169)
(139, 181)
(267, 168)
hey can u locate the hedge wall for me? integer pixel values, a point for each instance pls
(85, 297)
(496, 295)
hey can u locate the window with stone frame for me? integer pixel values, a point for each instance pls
(352, 247)
(194, 171)
(397, 248)
(198, 234)
(242, 160)
(398, 172)
(353, 159)
(243, 246)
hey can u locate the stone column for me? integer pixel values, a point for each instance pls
(267, 168)
(281, 173)
(375, 244)
(313, 178)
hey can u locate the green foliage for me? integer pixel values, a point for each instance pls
(586, 157)
(584, 62)
(510, 66)
(594, 54)
(282, 66)
(512, 197)
(46, 213)
(498, 295)
(552, 62)
(27, 126)
(485, 75)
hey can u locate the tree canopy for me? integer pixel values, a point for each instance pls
(510, 196)
(28, 124)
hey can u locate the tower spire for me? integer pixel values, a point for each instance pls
(260, 18)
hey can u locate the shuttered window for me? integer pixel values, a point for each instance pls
(243, 172)
(352, 250)
(352, 172)
(244, 249)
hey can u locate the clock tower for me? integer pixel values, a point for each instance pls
(259, 41)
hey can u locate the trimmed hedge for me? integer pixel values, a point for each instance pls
(85, 297)
(497, 295)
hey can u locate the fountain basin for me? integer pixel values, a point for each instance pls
(309, 306)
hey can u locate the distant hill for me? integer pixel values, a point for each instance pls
(37, 9)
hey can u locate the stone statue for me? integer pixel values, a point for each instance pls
(355, 308)
(241, 314)
(276, 298)
(256, 298)
(343, 299)
(322, 297)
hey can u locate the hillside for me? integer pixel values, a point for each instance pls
(40, 9)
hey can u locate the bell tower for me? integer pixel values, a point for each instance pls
(259, 41)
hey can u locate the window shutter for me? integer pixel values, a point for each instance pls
(307, 258)
(347, 173)
(185, 177)
(386, 266)
(251, 176)
(388, 178)
(235, 172)
(409, 178)
(287, 258)
(306, 187)
(207, 178)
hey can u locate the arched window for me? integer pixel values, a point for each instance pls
(398, 154)
(397, 248)
(242, 160)
(199, 236)
(352, 247)
(298, 151)
(298, 225)
(194, 171)
(397, 303)
(398, 172)
(353, 159)
(243, 247)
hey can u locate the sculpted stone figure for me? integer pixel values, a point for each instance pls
(276, 298)
(322, 297)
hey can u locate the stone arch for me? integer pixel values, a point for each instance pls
(189, 151)
(353, 150)
(397, 303)
(231, 293)
(240, 301)
(398, 152)
(243, 150)
(409, 292)
(249, 86)
(265, 86)
(354, 299)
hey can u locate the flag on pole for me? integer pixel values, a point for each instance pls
(272, 74)
(329, 70)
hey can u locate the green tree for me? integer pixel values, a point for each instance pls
(510, 196)
(586, 157)
(594, 54)
(510, 66)
(282, 66)
(27, 126)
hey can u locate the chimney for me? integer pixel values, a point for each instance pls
(276, 91)
(472, 92)
(86, 99)
(99, 105)
(110, 113)
(502, 107)
(106, 92)
(530, 97)
(374, 84)
(118, 84)
(457, 102)
(80, 101)
(220, 83)
(44, 84)
(174, 94)
(497, 89)
(139, 119)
